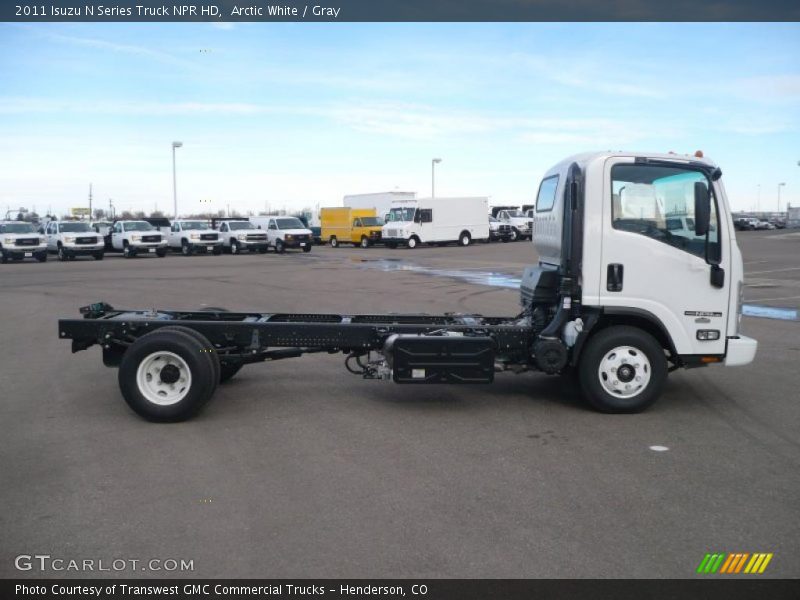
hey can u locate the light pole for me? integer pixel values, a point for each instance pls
(434, 162)
(780, 185)
(758, 199)
(174, 182)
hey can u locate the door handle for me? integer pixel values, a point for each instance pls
(614, 277)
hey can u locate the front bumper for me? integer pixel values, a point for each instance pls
(205, 244)
(296, 243)
(81, 249)
(147, 245)
(741, 351)
(21, 251)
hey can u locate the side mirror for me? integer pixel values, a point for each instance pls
(702, 208)
(417, 217)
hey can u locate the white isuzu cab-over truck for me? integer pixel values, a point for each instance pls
(618, 298)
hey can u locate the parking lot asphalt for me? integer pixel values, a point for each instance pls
(299, 469)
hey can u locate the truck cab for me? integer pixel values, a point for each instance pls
(69, 239)
(238, 236)
(284, 232)
(191, 235)
(133, 238)
(646, 246)
(19, 240)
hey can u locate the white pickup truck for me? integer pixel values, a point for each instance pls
(137, 237)
(284, 232)
(238, 236)
(521, 224)
(20, 240)
(69, 239)
(192, 236)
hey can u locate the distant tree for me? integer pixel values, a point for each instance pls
(157, 214)
(126, 215)
(139, 214)
(21, 216)
(99, 214)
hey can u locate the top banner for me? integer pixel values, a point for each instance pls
(400, 10)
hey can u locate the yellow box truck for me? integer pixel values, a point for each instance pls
(357, 226)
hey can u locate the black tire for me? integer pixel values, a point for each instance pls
(186, 249)
(514, 235)
(413, 242)
(334, 242)
(263, 250)
(391, 245)
(279, 247)
(209, 349)
(506, 240)
(364, 241)
(41, 256)
(161, 252)
(192, 353)
(3, 257)
(307, 248)
(641, 345)
(217, 250)
(464, 239)
(63, 256)
(235, 248)
(99, 255)
(128, 252)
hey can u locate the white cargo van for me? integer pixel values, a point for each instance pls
(436, 220)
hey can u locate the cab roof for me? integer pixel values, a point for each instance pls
(585, 158)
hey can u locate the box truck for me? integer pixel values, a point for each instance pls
(357, 226)
(437, 220)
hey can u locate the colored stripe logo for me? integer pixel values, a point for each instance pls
(731, 563)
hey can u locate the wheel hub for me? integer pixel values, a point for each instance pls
(625, 371)
(163, 378)
(170, 374)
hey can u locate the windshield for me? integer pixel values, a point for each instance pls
(492, 220)
(194, 225)
(236, 226)
(17, 228)
(138, 226)
(371, 221)
(74, 227)
(402, 214)
(515, 213)
(290, 223)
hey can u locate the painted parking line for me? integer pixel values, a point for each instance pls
(770, 312)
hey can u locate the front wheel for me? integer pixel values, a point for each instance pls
(514, 235)
(186, 249)
(279, 247)
(306, 248)
(161, 252)
(235, 248)
(364, 241)
(464, 239)
(41, 256)
(217, 250)
(622, 370)
(128, 252)
(62, 254)
(412, 242)
(99, 255)
(167, 376)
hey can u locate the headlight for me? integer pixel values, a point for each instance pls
(8, 241)
(136, 238)
(42, 240)
(69, 239)
(289, 237)
(194, 236)
(241, 236)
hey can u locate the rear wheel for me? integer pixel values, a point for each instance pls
(334, 242)
(464, 239)
(391, 245)
(622, 370)
(167, 375)
(226, 369)
(3, 257)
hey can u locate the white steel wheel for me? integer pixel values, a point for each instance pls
(334, 242)
(412, 242)
(163, 378)
(624, 371)
(465, 239)
(364, 242)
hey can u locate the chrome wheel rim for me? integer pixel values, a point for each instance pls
(624, 372)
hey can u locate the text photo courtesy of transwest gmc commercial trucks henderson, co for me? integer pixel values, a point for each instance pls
(400, 300)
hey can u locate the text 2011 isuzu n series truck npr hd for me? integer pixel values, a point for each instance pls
(617, 298)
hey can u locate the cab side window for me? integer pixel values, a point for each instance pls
(426, 215)
(272, 225)
(357, 223)
(658, 202)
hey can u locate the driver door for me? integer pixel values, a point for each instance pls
(652, 260)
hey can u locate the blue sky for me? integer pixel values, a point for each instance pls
(300, 114)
